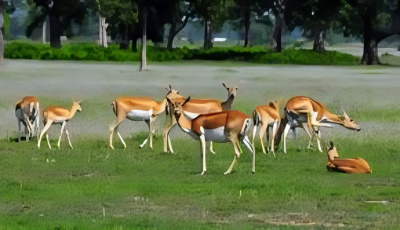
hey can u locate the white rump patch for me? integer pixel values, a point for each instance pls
(139, 115)
(190, 115)
(215, 135)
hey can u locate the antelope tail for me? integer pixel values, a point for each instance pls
(256, 119)
(280, 130)
(114, 106)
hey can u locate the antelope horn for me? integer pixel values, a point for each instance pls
(224, 85)
(345, 115)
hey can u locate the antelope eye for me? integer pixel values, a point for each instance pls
(351, 120)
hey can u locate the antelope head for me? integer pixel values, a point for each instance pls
(177, 105)
(76, 105)
(172, 94)
(332, 152)
(231, 90)
(348, 122)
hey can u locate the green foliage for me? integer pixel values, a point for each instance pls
(257, 54)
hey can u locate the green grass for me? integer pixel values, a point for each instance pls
(390, 60)
(144, 188)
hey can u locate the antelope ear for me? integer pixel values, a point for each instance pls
(224, 85)
(188, 99)
(331, 144)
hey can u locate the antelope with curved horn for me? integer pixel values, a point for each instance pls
(58, 115)
(222, 127)
(309, 114)
(266, 116)
(138, 109)
(348, 165)
(196, 107)
(27, 113)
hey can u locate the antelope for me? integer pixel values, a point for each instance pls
(196, 107)
(27, 113)
(58, 115)
(309, 114)
(138, 109)
(349, 165)
(221, 127)
(266, 116)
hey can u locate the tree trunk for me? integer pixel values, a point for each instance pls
(143, 61)
(205, 45)
(370, 51)
(134, 44)
(171, 36)
(173, 31)
(55, 33)
(100, 32)
(44, 32)
(1, 33)
(104, 26)
(319, 45)
(278, 33)
(124, 43)
(246, 26)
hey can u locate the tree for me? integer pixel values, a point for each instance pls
(314, 17)
(213, 15)
(177, 15)
(60, 13)
(372, 21)
(243, 10)
(5, 7)
(1, 33)
(281, 11)
(121, 15)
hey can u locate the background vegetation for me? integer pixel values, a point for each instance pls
(257, 54)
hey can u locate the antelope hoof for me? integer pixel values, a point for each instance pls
(253, 172)
(202, 173)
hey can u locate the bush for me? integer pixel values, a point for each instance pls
(259, 54)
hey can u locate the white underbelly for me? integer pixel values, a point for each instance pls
(190, 115)
(139, 115)
(215, 135)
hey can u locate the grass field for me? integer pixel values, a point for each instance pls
(94, 187)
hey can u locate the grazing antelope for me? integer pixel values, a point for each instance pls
(266, 116)
(349, 165)
(222, 127)
(196, 107)
(27, 113)
(309, 114)
(138, 109)
(58, 115)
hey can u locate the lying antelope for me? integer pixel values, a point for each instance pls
(309, 114)
(58, 115)
(222, 127)
(266, 116)
(349, 165)
(196, 107)
(138, 109)
(27, 113)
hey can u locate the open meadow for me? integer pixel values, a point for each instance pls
(95, 187)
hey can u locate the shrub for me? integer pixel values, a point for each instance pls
(259, 54)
